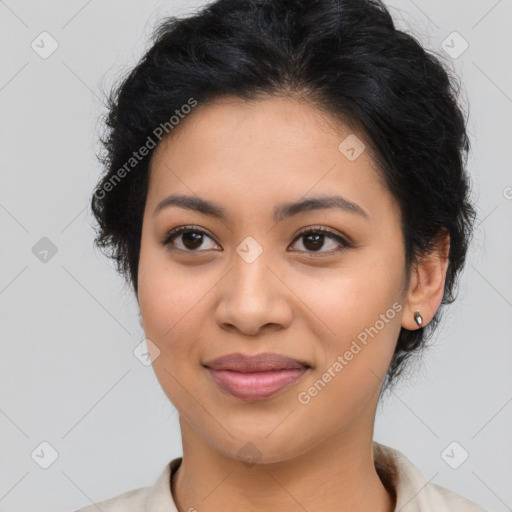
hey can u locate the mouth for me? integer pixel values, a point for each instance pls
(257, 377)
(254, 386)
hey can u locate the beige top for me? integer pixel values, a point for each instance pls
(414, 493)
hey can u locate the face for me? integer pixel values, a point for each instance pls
(250, 281)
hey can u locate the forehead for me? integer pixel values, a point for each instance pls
(275, 122)
(264, 148)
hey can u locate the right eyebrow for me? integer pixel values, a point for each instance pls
(192, 203)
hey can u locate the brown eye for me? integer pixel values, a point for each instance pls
(315, 239)
(191, 238)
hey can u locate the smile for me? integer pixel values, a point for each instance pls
(256, 386)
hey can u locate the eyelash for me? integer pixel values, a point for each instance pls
(173, 233)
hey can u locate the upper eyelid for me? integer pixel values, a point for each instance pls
(329, 232)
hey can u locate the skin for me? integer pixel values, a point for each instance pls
(198, 304)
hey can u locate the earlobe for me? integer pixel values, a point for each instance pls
(418, 318)
(426, 288)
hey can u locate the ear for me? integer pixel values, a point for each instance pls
(426, 286)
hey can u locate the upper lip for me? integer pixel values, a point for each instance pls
(265, 362)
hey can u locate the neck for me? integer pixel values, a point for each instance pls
(338, 475)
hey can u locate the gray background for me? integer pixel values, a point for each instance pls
(68, 376)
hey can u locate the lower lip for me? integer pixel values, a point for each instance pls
(257, 385)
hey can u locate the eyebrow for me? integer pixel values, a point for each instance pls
(281, 212)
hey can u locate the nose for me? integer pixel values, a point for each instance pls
(253, 298)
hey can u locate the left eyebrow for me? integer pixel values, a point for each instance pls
(281, 212)
(286, 210)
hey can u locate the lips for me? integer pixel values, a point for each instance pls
(257, 377)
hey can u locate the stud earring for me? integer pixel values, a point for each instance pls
(418, 318)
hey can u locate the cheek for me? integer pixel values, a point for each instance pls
(167, 294)
(171, 309)
(365, 317)
(346, 300)
(361, 306)
(174, 306)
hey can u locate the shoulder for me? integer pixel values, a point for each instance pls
(144, 499)
(413, 492)
(130, 501)
(453, 502)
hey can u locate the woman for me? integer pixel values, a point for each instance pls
(286, 192)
